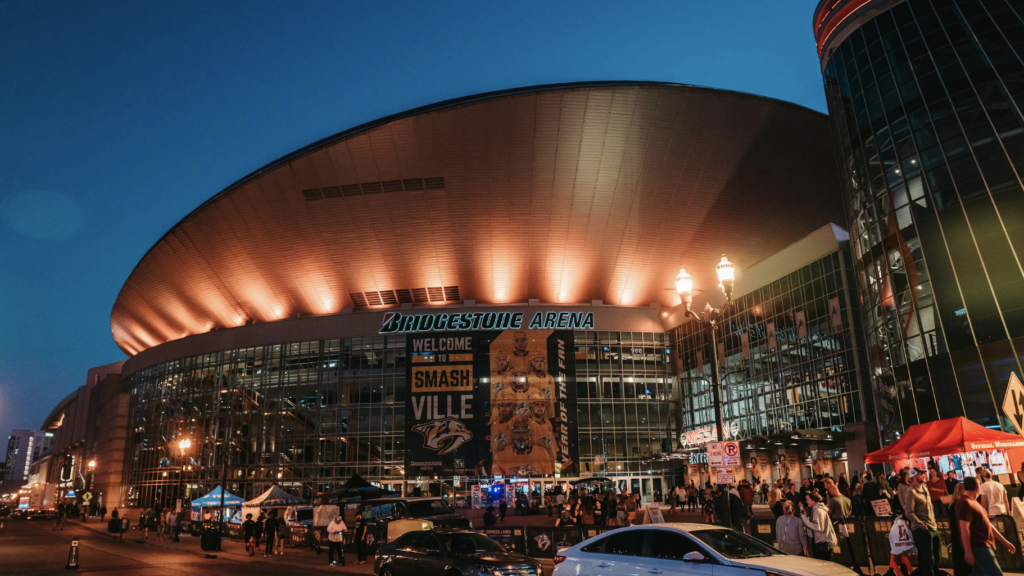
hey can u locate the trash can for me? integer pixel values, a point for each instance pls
(209, 539)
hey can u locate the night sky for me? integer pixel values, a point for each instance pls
(118, 119)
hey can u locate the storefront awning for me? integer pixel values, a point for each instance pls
(942, 437)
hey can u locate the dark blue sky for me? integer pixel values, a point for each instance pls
(117, 119)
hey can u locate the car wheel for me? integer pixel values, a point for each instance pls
(386, 571)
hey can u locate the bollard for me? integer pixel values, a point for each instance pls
(72, 556)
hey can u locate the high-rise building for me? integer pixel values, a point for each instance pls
(925, 99)
(23, 448)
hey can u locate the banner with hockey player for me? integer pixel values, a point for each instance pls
(491, 403)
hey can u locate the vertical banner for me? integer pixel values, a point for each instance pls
(491, 403)
(801, 325)
(835, 317)
(773, 343)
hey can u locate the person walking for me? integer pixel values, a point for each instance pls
(249, 535)
(820, 526)
(258, 532)
(502, 509)
(282, 535)
(103, 513)
(490, 519)
(172, 525)
(960, 565)
(917, 509)
(789, 531)
(747, 496)
(335, 540)
(361, 532)
(124, 527)
(270, 530)
(977, 536)
(144, 523)
(161, 525)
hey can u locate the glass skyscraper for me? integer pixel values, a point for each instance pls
(925, 99)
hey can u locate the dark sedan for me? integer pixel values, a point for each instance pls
(450, 552)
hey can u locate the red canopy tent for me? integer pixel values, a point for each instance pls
(949, 436)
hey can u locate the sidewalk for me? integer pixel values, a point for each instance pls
(235, 551)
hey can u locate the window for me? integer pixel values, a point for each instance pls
(415, 542)
(594, 547)
(627, 543)
(669, 545)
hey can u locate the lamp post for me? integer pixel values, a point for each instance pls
(183, 445)
(711, 319)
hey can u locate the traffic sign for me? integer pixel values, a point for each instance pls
(716, 454)
(731, 453)
(1013, 403)
(724, 476)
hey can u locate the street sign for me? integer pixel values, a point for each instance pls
(716, 454)
(1013, 403)
(731, 453)
(72, 556)
(724, 476)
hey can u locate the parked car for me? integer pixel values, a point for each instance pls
(450, 552)
(389, 518)
(684, 549)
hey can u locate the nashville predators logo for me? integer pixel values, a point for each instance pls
(500, 441)
(547, 441)
(543, 542)
(523, 470)
(445, 435)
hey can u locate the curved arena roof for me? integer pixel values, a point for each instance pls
(564, 194)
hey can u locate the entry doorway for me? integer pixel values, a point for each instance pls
(649, 487)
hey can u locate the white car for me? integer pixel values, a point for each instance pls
(684, 550)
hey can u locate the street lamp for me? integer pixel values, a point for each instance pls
(92, 468)
(711, 317)
(183, 445)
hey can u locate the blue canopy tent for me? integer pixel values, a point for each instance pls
(213, 500)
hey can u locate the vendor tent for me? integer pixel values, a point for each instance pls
(942, 437)
(274, 498)
(354, 490)
(214, 499)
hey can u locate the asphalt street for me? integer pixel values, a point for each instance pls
(30, 548)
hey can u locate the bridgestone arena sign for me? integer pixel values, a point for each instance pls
(398, 323)
(490, 402)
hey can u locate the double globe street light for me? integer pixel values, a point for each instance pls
(710, 318)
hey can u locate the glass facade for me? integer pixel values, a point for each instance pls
(308, 415)
(789, 356)
(925, 101)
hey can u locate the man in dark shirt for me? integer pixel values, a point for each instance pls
(249, 534)
(489, 518)
(977, 534)
(951, 481)
(361, 531)
(270, 529)
(870, 493)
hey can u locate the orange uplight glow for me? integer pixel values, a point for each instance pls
(562, 195)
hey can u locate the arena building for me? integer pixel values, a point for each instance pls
(482, 287)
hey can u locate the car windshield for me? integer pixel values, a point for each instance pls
(428, 508)
(733, 544)
(470, 543)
